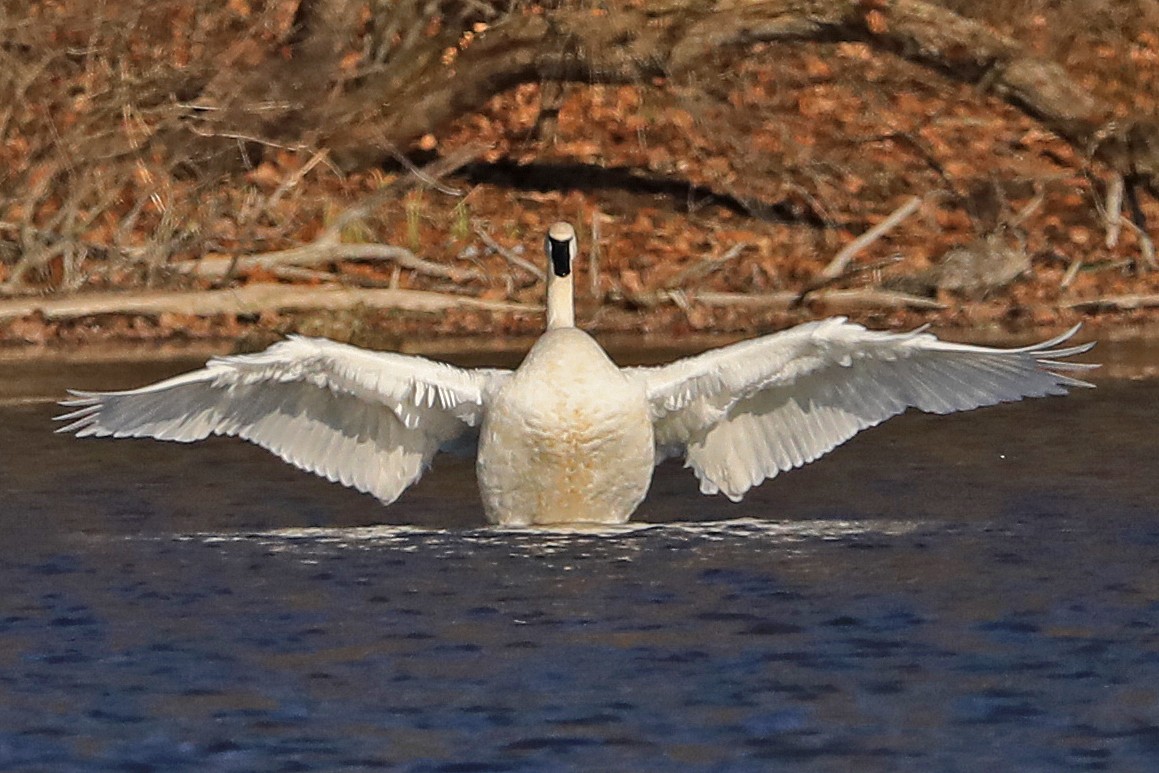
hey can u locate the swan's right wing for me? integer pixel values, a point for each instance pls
(746, 412)
(369, 420)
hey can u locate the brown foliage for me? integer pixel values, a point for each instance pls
(155, 132)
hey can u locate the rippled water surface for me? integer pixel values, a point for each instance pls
(975, 592)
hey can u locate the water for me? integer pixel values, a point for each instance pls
(959, 593)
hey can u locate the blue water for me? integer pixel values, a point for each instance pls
(975, 592)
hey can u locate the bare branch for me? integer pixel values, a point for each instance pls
(435, 170)
(250, 299)
(855, 299)
(1072, 272)
(598, 218)
(1114, 211)
(1146, 247)
(1127, 302)
(328, 251)
(509, 255)
(706, 266)
(837, 266)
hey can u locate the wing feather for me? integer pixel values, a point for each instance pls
(369, 420)
(746, 412)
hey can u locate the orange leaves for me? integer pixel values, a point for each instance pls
(959, 168)
(875, 22)
(14, 153)
(912, 105)
(1080, 235)
(953, 219)
(468, 36)
(817, 102)
(680, 118)
(265, 175)
(816, 67)
(853, 184)
(855, 51)
(350, 62)
(584, 150)
(241, 8)
(683, 170)
(631, 282)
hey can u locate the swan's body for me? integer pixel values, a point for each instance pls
(580, 449)
(569, 437)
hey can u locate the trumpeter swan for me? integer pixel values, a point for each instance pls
(569, 437)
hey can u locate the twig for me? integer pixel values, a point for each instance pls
(432, 171)
(1116, 303)
(1030, 208)
(1072, 271)
(594, 254)
(876, 265)
(329, 246)
(1138, 223)
(911, 139)
(680, 299)
(63, 229)
(299, 274)
(837, 266)
(860, 298)
(250, 299)
(706, 266)
(428, 178)
(1146, 246)
(810, 290)
(245, 138)
(328, 250)
(1114, 213)
(872, 298)
(293, 180)
(509, 255)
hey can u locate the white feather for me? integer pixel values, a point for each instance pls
(364, 419)
(744, 413)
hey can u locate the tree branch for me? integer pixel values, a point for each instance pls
(636, 45)
(328, 250)
(250, 299)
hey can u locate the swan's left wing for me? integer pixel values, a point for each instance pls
(745, 412)
(369, 420)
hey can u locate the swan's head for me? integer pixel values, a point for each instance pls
(561, 248)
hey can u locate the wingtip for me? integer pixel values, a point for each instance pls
(1066, 336)
(1048, 348)
(79, 399)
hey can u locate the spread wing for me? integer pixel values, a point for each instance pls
(369, 420)
(745, 412)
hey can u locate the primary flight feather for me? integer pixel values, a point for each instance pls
(568, 436)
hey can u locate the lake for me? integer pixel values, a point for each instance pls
(972, 592)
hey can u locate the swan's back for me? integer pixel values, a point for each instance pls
(568, 438)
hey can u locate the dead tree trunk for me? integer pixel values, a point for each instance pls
(365, 87)
(454, 73)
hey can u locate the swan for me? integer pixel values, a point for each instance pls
(568, 437)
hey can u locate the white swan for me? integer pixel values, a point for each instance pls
(569, 437)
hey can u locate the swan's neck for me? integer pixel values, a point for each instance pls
(560, 301)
